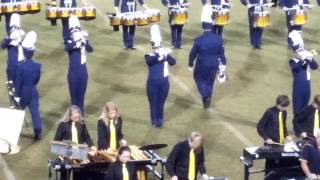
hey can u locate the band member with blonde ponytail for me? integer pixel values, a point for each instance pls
(12, 43)
(27, 78)
(77, 47)
(110, 128)
(186, 159)
(300, 66)
(158, 63)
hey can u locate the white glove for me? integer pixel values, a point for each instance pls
(249, 5)
(222, 67)
(77, 36)
(117, 10)
(304, 134)
(17, 99)
(190, 68)
(205, 177)
(312, 176)
(78, 44)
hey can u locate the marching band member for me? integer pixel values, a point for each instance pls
(255, 32)
(65, 21)
(73, 128)
(77, 47)
(209, 51)
(187, 158)
(110, 128)
(176, 29)
(300, 66)
(310, 158)
(13, 45)
(158, 82)
(28, 76)
(128, 31)
(222, 4)
(306, 122)
(122, 169)
(273, 129)
(290, 7)
(8, 15)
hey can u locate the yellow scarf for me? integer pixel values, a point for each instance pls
(192, 164)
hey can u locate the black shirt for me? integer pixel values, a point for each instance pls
(304, 121)
(64, 133)
(115, 171)
(104, 133)
(178, 160)
(268, 126)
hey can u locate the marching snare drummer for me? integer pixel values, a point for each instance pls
(176, 29)
(27, 78)
(186, 159)
(158, 63)
(128, 6)
(219, 5)
(110, 128)
(65, 21)
(306, 122)
(209, 51)
(8, 15)
(13, 45)
(292, 8)
(77, 47)
(310, 158)
(301, 89)
(255, 6)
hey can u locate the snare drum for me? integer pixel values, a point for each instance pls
(128, 20)
(154, 14)
(64, 12)
(7, 8)
(52, 13)
(299, 18)
(261, 19)
(221, 18)
(115, 20)
(143, 19)
(179, 16)
(89, 13)
(22, 7)
(77, 12)
(34, 6)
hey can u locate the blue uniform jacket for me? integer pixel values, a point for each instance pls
(172, 2)
(208, 49)
(155, 66)
(299, 70)
(28, 76)
(124, 5)
(75, 56)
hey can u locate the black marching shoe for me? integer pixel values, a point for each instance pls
(206, 102)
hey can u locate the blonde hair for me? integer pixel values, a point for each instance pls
(67, 117)
(104, 115)
(195, 135)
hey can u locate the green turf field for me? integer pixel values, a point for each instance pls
(256, 78)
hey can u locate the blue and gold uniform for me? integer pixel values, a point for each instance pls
(290, 4)
(128, 31)
(209, 51)
(224, 5)
(28, 76)
(255, 32)
(176, 30)
(301, 80)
